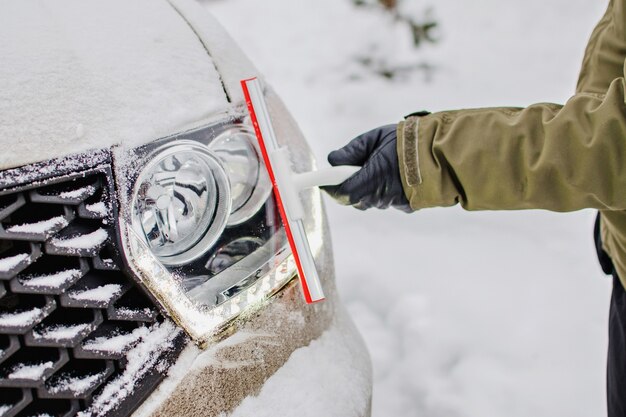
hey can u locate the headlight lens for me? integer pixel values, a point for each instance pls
(250, 184)
(203, 232)
(181, 202)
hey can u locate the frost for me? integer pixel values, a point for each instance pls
(103, 293)
(79, 193)
(53, 280)
(88, 241)
(69, 164)
(97, 208)
(129, 313)
(141, 359)
(43, 226)
(6, 264)
(108, 263)
(24, 318)
(117, 343)
(32, 372)
(61, 332)
(78, 385)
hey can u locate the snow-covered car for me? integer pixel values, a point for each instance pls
(144, 269)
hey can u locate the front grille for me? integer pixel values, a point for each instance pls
(68, 313)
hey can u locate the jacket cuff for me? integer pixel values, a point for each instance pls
(407, 152)
(426, 183)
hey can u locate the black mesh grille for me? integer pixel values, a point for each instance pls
(62, 292)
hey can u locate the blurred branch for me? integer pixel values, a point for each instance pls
(389, 4)
(422, 30)
(393, 72)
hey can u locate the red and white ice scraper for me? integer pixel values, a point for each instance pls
(287, 186)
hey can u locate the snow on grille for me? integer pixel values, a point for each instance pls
(103, 293)
(33, 372)
(81, 193)
(86, 241)
(43, 226)
(61, 332)
(71, 317)
(51, 280)
(10, 262)
(20, 318)
(97, 208)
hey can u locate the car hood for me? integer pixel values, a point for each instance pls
(85, 74)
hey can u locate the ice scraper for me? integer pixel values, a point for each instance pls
(287, 186)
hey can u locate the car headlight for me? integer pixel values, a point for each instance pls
(181, 202)
(200, 227)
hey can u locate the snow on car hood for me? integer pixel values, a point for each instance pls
(85, 74)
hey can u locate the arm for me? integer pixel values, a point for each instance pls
(546, 156)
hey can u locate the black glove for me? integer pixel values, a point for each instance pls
(377, 183)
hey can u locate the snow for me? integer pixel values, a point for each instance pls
(43, 226)
(88, 241)
(127, 312)
(97, 208)
(55, 280)
(116, 343)
(32, 174)
(4, 408)
(79, 193)
(6, 264)
(61, 332)
(21, 319)
(78, 385)
(323, 379)
(141, 359)
(464, 314)
(231, 63)
(102, 293)
(32, 372)
(56, 97)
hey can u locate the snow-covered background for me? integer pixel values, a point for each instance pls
(465, 314)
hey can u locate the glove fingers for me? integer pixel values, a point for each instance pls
(335, 192)
(359, 149)
(351, 190)
(355, 190)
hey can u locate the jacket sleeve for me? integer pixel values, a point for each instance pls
(605, 52)
(546, 156)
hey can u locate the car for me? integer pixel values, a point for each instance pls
(144, 269)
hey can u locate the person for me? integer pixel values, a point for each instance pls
(545, 156)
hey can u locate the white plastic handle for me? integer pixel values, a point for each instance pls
(325, 176)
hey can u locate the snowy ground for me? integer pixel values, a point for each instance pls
(465, 314)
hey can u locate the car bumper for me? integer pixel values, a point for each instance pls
(282, 372)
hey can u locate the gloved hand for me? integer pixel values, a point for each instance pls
(377, 183)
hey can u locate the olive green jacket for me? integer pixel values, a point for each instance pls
(546, 156)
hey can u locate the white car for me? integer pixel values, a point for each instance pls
(144, 269)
